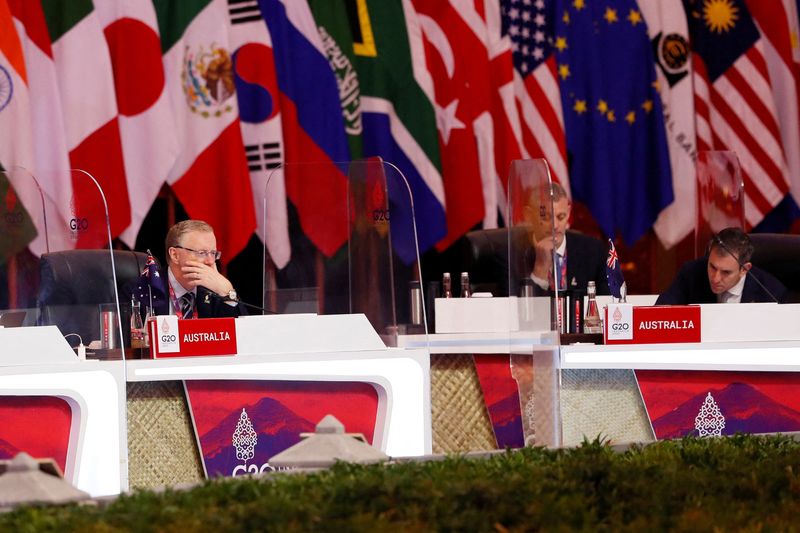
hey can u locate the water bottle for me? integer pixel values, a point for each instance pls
(592, 322)
(137, 326)
(465, 290)
(447, 292)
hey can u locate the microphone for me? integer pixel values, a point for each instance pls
(252, 306)
(718, 241)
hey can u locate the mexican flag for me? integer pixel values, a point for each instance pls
(210, 176)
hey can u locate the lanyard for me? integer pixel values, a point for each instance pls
(175, 305)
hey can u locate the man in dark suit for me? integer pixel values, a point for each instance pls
(578, 258)
(194, 287)
(725, 275)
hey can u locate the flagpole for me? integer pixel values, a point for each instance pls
(150, 286)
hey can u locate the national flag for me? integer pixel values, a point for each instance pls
(151, 288)
(616, 281)
(50, 155)
(616, 138)
(313, 128)
(399, 118)
(210, 176)
(145, 115)
(669, 35)
(16, 143)
(86, 87)
(504, 120)
(333, 24)
(457, 58)
(733, 99)
(530, 26)
(780, 29)
(260, 119)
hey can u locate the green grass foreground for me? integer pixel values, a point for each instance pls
(739, 483)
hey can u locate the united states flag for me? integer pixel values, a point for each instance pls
(734, 101)
(529, 24)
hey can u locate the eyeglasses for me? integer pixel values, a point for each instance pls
(202, 254)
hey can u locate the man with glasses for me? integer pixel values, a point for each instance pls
(196, 288)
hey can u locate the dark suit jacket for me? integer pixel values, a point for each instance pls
(207, 304)
(586, 261)
(691, 286)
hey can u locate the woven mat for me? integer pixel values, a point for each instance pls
(162, 448)
(458, 414)
(604, 403)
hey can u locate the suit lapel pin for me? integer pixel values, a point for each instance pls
(207, 299)
(574, 282)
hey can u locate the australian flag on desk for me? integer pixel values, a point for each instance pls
(616, 282)
(150, 288)
(616, 142)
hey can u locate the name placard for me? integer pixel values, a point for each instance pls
(170, 337)
(626, 324)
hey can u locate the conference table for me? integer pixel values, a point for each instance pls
(110, 424)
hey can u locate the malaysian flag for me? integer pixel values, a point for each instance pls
(530, 25)
(734, 101)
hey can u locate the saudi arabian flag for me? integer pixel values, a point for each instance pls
(334, 29)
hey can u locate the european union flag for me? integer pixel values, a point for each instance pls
(616, 281)
(150, 287)
(616, 142)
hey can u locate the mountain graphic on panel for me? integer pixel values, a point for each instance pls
(507, 422)
(276, 427)
(745, 408)
(7, 450)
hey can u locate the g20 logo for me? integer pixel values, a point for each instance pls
(14, 218)
(620, 327)
(379, 215)
(168, 338)
(79, 224)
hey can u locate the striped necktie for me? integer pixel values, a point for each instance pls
(187, 304)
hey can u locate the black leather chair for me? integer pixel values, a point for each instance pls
(485, 257)
(74, 283)
(779, 254)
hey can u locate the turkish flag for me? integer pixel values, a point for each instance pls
(458, 62)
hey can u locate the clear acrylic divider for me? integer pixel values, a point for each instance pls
(23, 231)
(720, 196)
(349, 245)
(541, 311)
(69, 273)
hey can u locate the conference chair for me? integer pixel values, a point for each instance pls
(74, 284)
(779, 254)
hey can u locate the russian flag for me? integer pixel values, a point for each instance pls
(313, 127)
